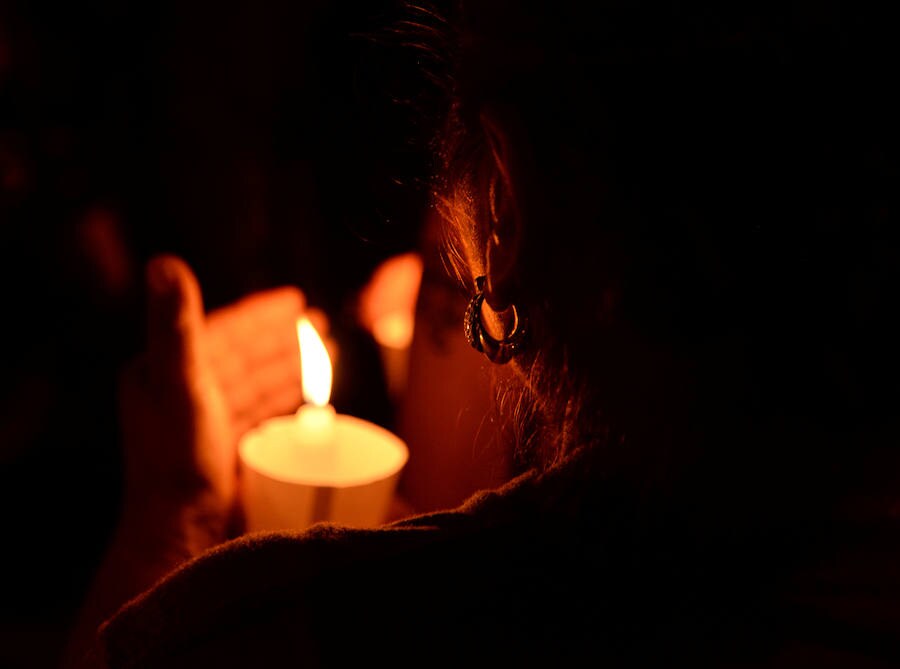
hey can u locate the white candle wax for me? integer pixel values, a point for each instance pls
(291, 478)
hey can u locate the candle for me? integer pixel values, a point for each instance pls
(318, 465)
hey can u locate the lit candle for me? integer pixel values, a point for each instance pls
(318, 465)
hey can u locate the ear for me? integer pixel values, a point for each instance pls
(505, 222)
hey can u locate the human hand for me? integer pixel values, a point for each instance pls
(184, 403)
(387, 303)
(201, 383)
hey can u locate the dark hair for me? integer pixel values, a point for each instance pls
(712, 261)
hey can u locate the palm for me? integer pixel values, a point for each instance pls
(203, 381)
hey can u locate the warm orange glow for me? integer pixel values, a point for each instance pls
(394, 330)
(388, 302)
(315, 364)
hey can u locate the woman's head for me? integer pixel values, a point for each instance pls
(695, 207)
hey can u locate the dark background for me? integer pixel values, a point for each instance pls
(266, 142)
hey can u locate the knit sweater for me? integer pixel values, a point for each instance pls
(549, 570)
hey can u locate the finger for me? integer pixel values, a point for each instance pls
(228, 368)
(261, 382)
(281, 402)
(243, 320)
(175, 320)
(252, 332)
(236, 365)
(267, 344)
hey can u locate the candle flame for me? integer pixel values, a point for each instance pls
(315, 365)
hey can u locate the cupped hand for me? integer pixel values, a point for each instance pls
(184, 403)
(201, 383)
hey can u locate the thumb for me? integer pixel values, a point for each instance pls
(175, 320)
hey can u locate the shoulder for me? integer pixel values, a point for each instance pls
(241, 582)
(241, 593)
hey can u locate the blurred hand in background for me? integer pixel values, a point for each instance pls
(202, 382)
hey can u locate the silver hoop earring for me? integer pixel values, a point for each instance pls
(498, 351)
